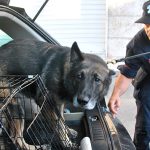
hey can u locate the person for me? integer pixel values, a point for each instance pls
(136, 71)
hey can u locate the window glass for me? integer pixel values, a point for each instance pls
(4, 38)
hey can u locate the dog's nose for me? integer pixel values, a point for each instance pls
(82, 101)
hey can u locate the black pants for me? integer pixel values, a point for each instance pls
(142, 127)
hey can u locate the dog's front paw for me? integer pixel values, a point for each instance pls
(72, 133)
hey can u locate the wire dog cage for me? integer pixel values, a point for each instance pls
(30, 120)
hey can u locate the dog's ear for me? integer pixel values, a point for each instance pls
(76, 53)
(107, 82)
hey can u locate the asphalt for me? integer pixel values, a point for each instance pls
(127, 111)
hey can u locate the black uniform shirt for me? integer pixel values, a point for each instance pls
(139, 44)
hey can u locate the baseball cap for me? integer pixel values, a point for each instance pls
(146, 14)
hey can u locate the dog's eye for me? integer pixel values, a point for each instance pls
(97, 79)
(80, 76)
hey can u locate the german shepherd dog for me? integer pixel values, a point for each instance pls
(68, 74)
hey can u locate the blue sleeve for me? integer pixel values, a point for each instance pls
(132, 65)
(127, 71)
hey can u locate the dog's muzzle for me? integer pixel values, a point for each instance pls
(84, 103)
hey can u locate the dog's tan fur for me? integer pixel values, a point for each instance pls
(15, 125)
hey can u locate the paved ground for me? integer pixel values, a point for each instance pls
(127, 111)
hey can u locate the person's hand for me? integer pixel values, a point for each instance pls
(114, 104)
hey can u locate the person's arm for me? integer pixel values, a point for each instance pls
(121, 85)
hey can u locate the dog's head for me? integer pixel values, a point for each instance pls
(88, 78)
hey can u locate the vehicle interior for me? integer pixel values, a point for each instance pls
(92, 126)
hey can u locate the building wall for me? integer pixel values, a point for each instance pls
(86, 24)
(121, 26)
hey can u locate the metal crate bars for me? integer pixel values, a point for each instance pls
(29, 118)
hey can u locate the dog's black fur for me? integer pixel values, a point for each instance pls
(66, 72)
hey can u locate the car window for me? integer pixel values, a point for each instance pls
(4, 38)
